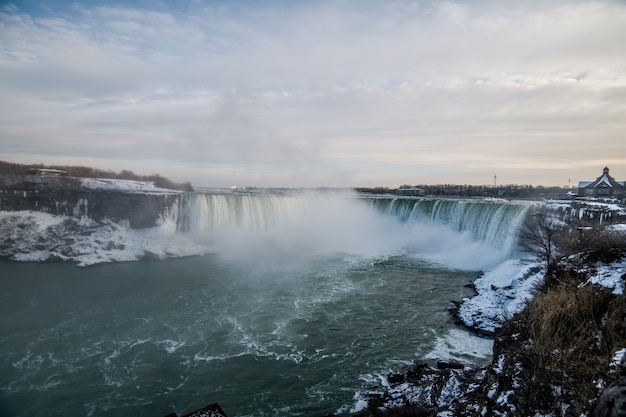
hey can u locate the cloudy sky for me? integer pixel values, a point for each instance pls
(318, 93)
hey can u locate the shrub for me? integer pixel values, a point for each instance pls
(574, 332)
(603, 243)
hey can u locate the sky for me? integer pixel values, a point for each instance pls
(345, 93)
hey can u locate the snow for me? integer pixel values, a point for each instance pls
(618, 227)
(504, 290)
(618, 358)
(36, 236)
(610, 276)
(503, 399)
(453, 389)
(501, 292)
(42, 220)
(460, 345)
(124, 186)
(603, 179)
(591, 205)
(612, 207)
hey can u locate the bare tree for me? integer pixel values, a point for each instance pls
(540, 233)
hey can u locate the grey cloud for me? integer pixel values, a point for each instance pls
(237, 130)
(335, 86)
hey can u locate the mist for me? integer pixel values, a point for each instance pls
(286, 229)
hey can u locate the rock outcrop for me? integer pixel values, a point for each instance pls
(211, 410)
(69, 196)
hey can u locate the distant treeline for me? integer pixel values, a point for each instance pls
(9, 168)
(455, 190)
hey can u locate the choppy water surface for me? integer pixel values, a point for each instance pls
(261, 337)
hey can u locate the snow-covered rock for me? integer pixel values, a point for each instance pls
(140, 203)
(36, 236)
(124, 186)
(501, 292)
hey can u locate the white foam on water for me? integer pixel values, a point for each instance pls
(453, 249)
(171, 346)
(210, 358)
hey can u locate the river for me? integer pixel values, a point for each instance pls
(277, 320)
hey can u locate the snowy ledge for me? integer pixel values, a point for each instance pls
(127, 186)
(503, 291)
(500, 293)
(42, 237)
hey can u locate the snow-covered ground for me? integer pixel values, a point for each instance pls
(124, 186)
(503, 291)
(589, 208)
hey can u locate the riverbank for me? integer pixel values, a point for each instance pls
(555, 356)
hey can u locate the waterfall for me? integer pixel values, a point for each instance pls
(206, 212)
(493, 221)
(275, 226)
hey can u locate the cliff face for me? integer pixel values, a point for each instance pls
(70, 197)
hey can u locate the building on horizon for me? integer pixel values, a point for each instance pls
(603, 186)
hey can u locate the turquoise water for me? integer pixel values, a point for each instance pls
(260, 338)
(305, 304)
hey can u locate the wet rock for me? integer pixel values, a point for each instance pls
(416, 371)
(612, 402)
(395, 378)
(212, 410)
(441, 364)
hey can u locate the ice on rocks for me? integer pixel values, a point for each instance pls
(610, 276)
(501, 292)
(36, 236)
(124, 185)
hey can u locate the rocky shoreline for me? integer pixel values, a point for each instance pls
(577, 373)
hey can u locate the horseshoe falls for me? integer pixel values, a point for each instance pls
(462, 233)
(302, 304)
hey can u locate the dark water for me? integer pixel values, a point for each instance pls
(260, 337)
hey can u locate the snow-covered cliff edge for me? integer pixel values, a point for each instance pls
(141, 204)
(88, 221)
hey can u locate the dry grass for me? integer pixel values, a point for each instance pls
(574, 332)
